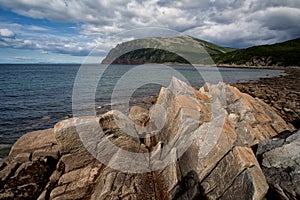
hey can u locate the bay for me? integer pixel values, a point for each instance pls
(36, 96)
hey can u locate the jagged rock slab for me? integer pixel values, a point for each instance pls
(280, 160)
(190, 145)
(30, 163)
(236, 176)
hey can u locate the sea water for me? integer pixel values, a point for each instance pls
(36, 96)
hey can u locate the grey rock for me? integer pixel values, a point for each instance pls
(280, 159)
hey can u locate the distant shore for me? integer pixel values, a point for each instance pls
(225, 66)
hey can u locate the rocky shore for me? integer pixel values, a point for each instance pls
(282, 93)
(211, 143)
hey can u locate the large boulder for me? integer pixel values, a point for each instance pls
(205, 130)
(30, 163)
(191, 144)
(280, 162)
(82, 175)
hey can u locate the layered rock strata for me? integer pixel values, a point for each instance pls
(190, 145)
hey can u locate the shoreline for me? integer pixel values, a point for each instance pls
(268, 89)
(214, 65)
(169, 64)
(281, 93)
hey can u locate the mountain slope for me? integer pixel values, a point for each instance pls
(280, 54)
(178, 49)
(186, 49)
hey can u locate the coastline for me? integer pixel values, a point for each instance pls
(282, 93)
(57, 163)
(268, 89)
(234, 66)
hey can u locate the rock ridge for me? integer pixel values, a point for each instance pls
(192, 144)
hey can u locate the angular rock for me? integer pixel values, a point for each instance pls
(236, 176)
(118, 185)
(28, 179)
(253, 119)
(190, 145)
(280, 161)
(67, 133)
(30, 163)
(35, 144)
(139, 116)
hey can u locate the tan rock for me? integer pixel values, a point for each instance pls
(35, 141)
(139, 116)
(227, 180)
(67, 133)
(190, 145)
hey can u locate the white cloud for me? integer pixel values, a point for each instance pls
(50, 43)
(252, 23)
(237, 23)
(7, 33)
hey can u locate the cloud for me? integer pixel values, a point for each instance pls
(47, 42)
(279, 18)
(252, 23)
(7, 33)
(235, 23)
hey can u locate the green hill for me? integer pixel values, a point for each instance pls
(280, 54)
(178, 49)
(186, 49)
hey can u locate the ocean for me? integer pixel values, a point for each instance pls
(36, 96)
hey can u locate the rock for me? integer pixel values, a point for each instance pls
(30, 163)
(36, 144)
(214, 121)
(189, 145)
(76, 184)
(67, 133)
(280, 158)
(236, 176)
(140, 116)
(83, 176)
(268, 89)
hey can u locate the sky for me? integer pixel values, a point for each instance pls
(67, 31)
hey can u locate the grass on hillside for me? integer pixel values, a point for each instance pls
(282, 54)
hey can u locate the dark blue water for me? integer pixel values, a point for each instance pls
(34, 97)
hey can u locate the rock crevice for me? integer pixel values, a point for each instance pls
(191, 144)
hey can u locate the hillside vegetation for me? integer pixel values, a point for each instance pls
(185, 49)
(179, 49)
(280, 54)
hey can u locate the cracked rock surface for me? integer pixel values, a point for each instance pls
(280, 161)
(192, 144)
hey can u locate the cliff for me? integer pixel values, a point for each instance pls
(177, 49)
(214, 143)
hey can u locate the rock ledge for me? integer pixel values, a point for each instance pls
(195, 144)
